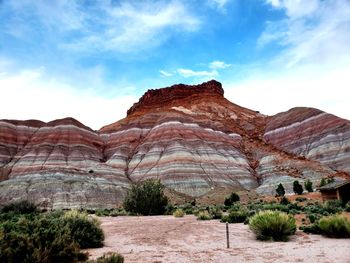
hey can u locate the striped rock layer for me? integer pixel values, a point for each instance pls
(190, 137)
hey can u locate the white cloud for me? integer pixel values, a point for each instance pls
(139, 26)
(328, 91)
(30, 94)
(218, 65)
(165, 73)
(314, 31)
(126, 26)
(188, 73)
(220, 4)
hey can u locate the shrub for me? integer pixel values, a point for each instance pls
(84, 230)
(280, 190)
(237, 216)
(179, 213)
(146, 198)
(311, 229)
(44, 238)
(300, 199)
(313, 217)
(21, 207)
(323, 182)
(108, 258)
(215, 212)
(308, 186)
(297, 188)
(204, 215)
(284, 201)
(333, 206)
(231, 199)
(273, 225)
(347, 207)
(334, 226)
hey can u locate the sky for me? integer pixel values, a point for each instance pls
(91, 60)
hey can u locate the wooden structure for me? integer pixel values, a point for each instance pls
(338, 190)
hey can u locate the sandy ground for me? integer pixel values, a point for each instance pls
(170, 239)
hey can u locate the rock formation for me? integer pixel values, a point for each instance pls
(190, 137)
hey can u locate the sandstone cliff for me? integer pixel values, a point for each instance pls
(190, 137)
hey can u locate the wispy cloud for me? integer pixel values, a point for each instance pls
(219, 4)
(34, 90)
(219, 65)
(314, 31)
(165, 73)
(188, 73)
(126, 26)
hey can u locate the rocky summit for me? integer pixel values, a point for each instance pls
(190, 137)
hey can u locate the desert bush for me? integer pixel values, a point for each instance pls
(273, 225)
(215, 212)
(347, 207)
(280, 190)
(313, 217)
(311, 229)
(21, 207)
(179, 213)
(297, 188)
(204, 215)
(108, 258)
(300, 199)
(308, 186)
(49, 237)
(335, 226)
(230, 200)
(333, 206)
(146, 198)
(237, 216)
(84, 230)
(284, 201)
(44, 239)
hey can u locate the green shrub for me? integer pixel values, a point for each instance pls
(308, 186)
(333, 206)
(323, 182)
(204, 215)
(21, 207)
(280, 190)
(215, 212)
(297, 188)
(334, 226)
(108, 258)
(237, 216)
(273, 225)
(179, 213)
(102, 212)
(284, 201)
(230, 200)
(313, 217)
(146, 198)
(311, 229)
(347, 207)
(300, 199)
(84, 230)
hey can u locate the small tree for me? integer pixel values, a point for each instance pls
(231, 199)
(280, 190)
(297, 188)
(308, 186)
(146, 198)
(323, 182)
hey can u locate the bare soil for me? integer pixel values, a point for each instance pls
(169, 239)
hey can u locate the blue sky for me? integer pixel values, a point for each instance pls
(92, 59)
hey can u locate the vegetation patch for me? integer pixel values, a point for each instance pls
(272, 225)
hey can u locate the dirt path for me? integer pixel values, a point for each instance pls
(169, 239)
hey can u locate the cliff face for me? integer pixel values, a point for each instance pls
(190, 137)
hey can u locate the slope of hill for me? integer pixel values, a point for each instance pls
(190, 137)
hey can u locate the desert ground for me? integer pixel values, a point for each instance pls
(169, 239)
